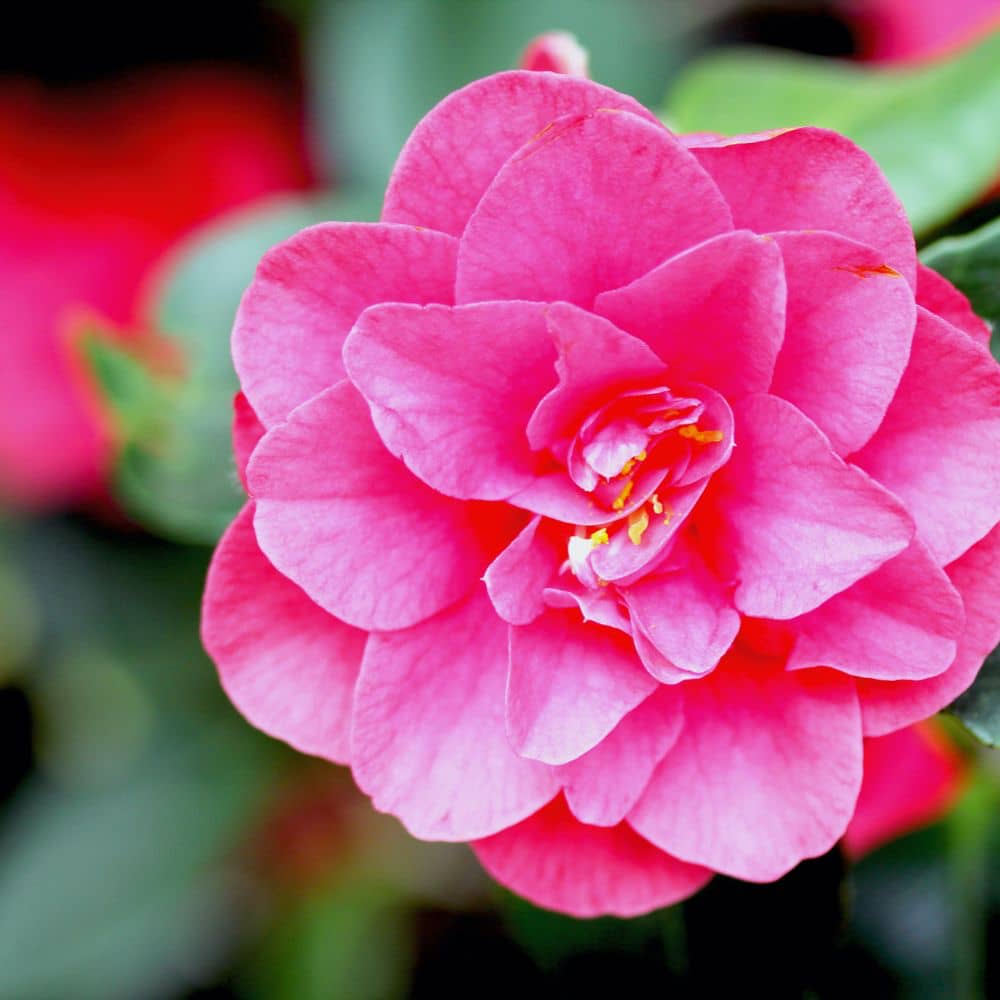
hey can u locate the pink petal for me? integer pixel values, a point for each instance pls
(351, 526)
(902, 622)
(686, 614)
(590, 204)
(428, 743)
(452, 390)
(938, 448)
(309, 290)
(606, 782)
(596, 361)
(765, 773)
(517, 578)
(586, 871)
(810, 178)
(938, 295)
(912, 778)
(455, 152)
(887, 705)
(247, 432)
(715, 313)
(848, 334)
(621, 559)
(600, 605)
(789, 521)
(286, 664)
(570, 684)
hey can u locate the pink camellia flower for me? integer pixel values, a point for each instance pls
(611, 490)
(95, 188)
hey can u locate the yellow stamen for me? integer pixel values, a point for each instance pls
(599, 537)
(657, 506)
(670, 414)
(630, 464)
(692, 432)
(638, 522)
(619, 501)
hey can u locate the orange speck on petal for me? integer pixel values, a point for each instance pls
(866, 271)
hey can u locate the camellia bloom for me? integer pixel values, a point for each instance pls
(95, 188)
(611, 490)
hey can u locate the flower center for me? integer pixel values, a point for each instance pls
(630, 455)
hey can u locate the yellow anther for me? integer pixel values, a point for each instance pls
(630, 464)
(670, 414)
(599, 537)
(657, 506)
(638, 522)
(619, 501)
(692, 432)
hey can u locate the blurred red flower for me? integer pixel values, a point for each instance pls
(95, 186)
(909, 31)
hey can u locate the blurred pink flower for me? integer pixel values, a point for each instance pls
(95, 186)
(611, 490)
(556, 52)
(912, 777)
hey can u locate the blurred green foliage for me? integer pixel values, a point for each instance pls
(933, 130)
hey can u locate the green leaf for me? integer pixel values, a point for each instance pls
(933, 130)
(375, 69)
(972, 263)
(176, 477)
(348, 940)
(108, 894)
(979, 708)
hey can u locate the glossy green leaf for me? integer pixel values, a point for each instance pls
(972, 263)
(933, 130)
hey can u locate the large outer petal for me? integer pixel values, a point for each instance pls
(765, 773)
(588, 205)
(911, 779)
(286, 664)
(849, 328)
(715, 313)
(888, 705)
(604, 784)
(586, 871)
(452, 390)
(429, 743)
(938, 295)
(810, 178)
(349, 524)
(902, 622)
(789, 521)
(570, 684)
(938, 448)
(457, 149)
(309, 290)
